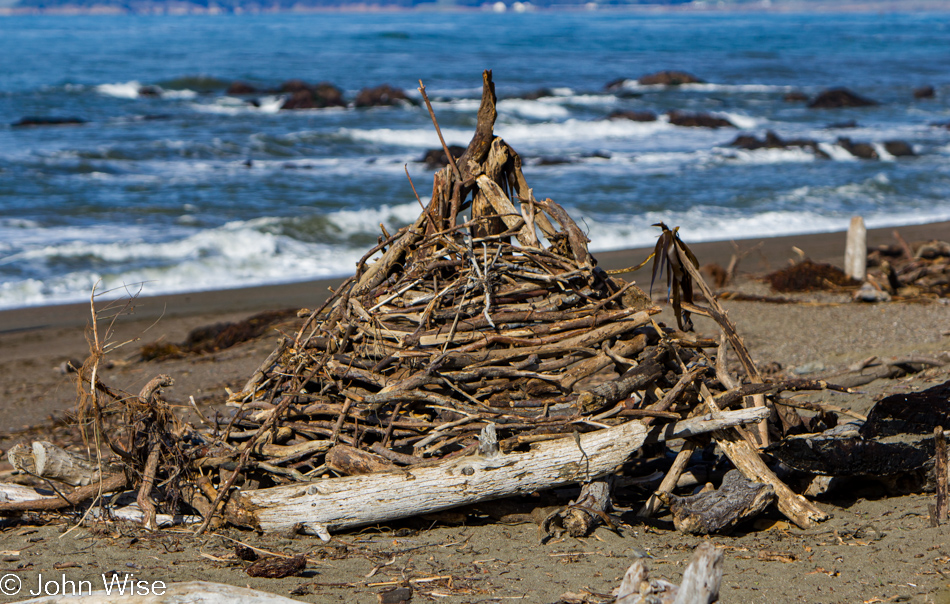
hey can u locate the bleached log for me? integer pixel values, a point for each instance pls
(46, 460)
(352, 501)
(192, 592)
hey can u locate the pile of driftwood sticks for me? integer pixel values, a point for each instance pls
(475, 354)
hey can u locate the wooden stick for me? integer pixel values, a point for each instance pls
(445, 148)
(653, 503)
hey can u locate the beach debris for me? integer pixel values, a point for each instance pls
(809, 276)
(836, 98)
(475, 354)
(895, 444)
(277, 567)
(719, 510)
(216, 337)
(702, 580)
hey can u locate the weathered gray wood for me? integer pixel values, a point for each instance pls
(353, 501)
(716, 511)
(701, 581)
(46, 460)
(856, 250)
(192, 592)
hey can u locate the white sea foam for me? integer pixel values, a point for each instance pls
(533, 109)
(635, 86)
(771, 156)
(228, 105)
(123, 90)
(836, 152)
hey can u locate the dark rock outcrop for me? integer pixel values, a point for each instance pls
(540, 93)
(33, 121)
(698, 120)
(924, 92)
(774, 141)
(305, 96)
(837, 98)
(238, 88)
(862, 150)
(669, 78)
(636, 116)
(384, 95)
(436, 158)
(899, 149)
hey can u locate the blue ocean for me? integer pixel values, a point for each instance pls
(165, 182)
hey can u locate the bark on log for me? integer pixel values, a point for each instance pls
(351, 461)
(352, 501)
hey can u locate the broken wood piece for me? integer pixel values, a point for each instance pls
(747, 460)
(589, 509)
(701, 581)
(46, 460)
(351, 501)
(350, 461)
(718, 511)
(940, 468)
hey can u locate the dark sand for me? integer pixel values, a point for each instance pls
(877, 548)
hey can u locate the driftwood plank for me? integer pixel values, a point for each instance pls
(353, 501)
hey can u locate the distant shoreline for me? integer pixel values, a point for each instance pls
(179, 8)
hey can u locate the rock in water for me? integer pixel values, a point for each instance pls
(837, 98)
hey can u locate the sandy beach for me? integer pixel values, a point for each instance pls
(877, 548)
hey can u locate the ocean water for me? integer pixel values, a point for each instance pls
(191, 189)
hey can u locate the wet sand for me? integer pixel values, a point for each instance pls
(877, 548)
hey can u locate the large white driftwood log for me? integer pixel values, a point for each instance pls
(352, 501)
(192, 592)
